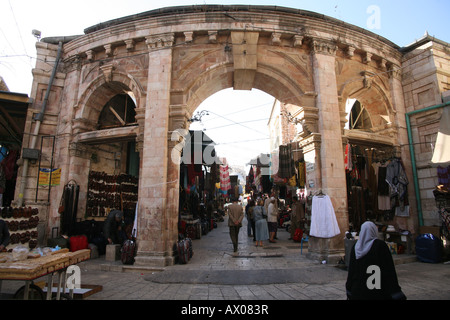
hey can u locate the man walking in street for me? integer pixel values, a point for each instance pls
(235, 217)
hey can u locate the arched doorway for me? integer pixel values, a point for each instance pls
(232, 124)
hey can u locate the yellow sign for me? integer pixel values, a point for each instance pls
(44, 176)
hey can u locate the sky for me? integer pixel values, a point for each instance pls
(234, 115)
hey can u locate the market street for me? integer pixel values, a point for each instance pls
(275, 272)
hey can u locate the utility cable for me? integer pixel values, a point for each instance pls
(18, 29)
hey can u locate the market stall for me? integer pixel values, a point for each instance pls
(34, 265)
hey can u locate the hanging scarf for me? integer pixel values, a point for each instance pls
(225, 182)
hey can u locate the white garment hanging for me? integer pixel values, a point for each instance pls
(323, 218)
(135, 224)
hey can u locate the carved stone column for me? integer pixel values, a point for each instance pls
(155, 237)
(332, 173)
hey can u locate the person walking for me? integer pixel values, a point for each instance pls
(249, 214)
(272, 219)
(261, 229)
(371, 271)
(235, 217)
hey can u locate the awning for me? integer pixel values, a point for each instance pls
(441, 154)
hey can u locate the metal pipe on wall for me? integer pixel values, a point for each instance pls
(38, 119)
(413, 157)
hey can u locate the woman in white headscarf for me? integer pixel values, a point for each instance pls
(371, 271)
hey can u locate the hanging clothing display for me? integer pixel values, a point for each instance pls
(301, 174)
(69, 209)
(323, 218)
(135, 222)
(258, 184)
(383, 199)
(396, 178)
(376, 184)
(443, 174)
(348, 157)
(441, 153)
(225, 182)
(286, 165)
(250, 179)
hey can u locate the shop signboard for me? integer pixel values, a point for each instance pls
(44, 176)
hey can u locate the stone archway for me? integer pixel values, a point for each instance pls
(174, 58)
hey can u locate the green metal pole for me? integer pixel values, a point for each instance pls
(413, 157)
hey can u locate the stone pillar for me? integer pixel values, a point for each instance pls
(154, 236)
(331, 179)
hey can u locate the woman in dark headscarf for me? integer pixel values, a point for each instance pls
(371, 272)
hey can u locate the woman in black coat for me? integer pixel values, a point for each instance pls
(371, 272)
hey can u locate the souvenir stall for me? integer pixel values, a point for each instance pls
(441, 160)
(198, 192)
(442, 197)
(290, 179)
(377, 191)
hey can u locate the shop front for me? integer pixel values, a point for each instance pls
(110, 180)
(377, 190)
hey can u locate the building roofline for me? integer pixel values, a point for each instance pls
(166, 11)
(15, 97)
(420, 42)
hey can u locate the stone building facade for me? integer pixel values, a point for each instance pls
(170, 60)
(426, 83)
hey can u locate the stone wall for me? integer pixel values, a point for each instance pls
(425, 77)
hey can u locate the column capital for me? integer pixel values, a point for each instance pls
(160, 41)
(394, 71)
(311, 143)
(322, 46)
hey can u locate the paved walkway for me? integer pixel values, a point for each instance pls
(278, 271)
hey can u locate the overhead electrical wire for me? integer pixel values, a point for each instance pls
(237, 123)
(18, 29)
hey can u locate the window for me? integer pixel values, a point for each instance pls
(357, 116)
(118, 112)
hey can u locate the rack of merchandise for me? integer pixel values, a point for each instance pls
(22, 224)
(107, 192)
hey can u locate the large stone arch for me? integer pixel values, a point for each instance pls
(174, 58)
(267, 79)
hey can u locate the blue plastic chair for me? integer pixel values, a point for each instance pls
(301, 243)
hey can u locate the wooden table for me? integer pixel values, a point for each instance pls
(32, 268)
